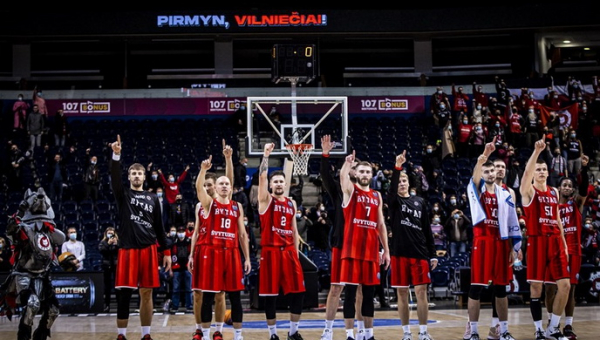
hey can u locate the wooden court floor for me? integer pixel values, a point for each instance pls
(444, 324)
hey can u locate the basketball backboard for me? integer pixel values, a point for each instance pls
(302, 120)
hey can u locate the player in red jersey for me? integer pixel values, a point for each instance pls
(279, 260)
(221, 261)
(570, 206)
(547, 256)
(364, 231)
(198, 239)
(139, 230)
(494, 215)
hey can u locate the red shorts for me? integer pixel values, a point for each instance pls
(336, 259)
(574, 268)
(405, 271)
(490, 261)
(137, 268)
(359, 272)
(280, 268)
(546, 259)
(225, 268)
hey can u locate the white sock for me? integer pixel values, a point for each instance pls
(360, 325)
(569, 320)
(474, 325)
(503, 327)
(272, 329)
(293, 327)
(145, 330)
(350, 333)
(406, 328)
(538, 325)
(554, 320)
(122, 331)
(199, 326)
(237, 334)
(423, 329)
(219, 326)
(495, 321)
(206, 332)
(329, 324)
(368, 333)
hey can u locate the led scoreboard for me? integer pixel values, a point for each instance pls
(297, 61)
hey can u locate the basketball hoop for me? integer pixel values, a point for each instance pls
(300, 154)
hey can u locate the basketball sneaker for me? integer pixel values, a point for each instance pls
(540, 334)
(295, 336)
(327, 334)
(197, 335)
(121, 337)
(274, 337)
(425, 336)
(217, 335)
(554, 334)
(506, 336)
(474, 336)
(147, 337)
(407, 336)
(568, 332)
(467, 334)
(494, 333)
(360, 335)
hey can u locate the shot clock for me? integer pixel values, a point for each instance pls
(293, 61)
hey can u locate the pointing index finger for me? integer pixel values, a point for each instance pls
(119, 139)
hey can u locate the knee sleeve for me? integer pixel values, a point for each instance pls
(270, 307)
(123, 300)
(349, 299)
(296, 302)
(237, 313)
(475, 292)
(368, 307)
(500, 291)
(207, 303)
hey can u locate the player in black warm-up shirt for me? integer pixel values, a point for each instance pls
(412, 248)
(140, 226)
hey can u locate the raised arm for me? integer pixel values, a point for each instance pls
(325, 172)
(228, 152)
(526, 187)
(263, 178)
(487, 151)
(116, 178)
(203, 196)
(345, 181)
(400, 160)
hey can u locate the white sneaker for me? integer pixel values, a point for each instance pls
(360, 335)
(327, 334)
(407, 336)
(467, 334)
(494, 333)
(425, 336)
(553, 333)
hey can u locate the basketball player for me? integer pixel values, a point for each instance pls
(570, 207)
(412, 249)
(198, 238)
(495, 226)
(139, 230)
(221, 261)
(279, 262)
(332, 187)
(363, 231)
(547, 257)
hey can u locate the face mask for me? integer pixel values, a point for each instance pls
(530, 111)
(452, 202)
(478, 128)
(429, 150)
(159, 194)
(465, 122)
(436, 208)
(245, 223)
(478, 107)
(39, 94)
(412, 193)
(1, 245)
(298, 216)
(440, 92)
(178, 200)
(190, 228)
(181, 235)
(442, 107)
(93, 162)
(245, 164)
(573, 135)
(155, 177)
(110, 235)
(73, 236)
(322, 208)
(171, 180)
(579, 98)
(20, 98)
(436, 220)
(456, 216)
(172, 234)
(588, 226)
(497, 125)
(555, 97)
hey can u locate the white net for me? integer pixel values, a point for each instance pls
(300, 154)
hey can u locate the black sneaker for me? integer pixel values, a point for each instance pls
(539, 335)
(568, 332)
(295, 336)
(474, 336)
(121, 337)
(147, 337)
(274, 337)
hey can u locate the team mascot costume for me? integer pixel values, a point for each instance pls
(35, 241)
